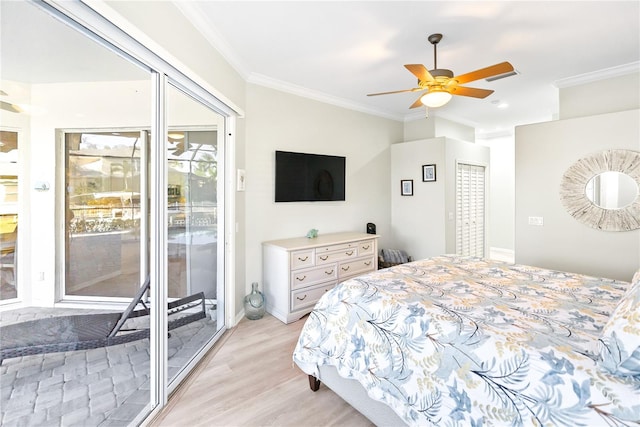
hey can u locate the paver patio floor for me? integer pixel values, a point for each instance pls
(106, 386)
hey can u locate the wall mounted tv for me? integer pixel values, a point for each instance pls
(304, 177)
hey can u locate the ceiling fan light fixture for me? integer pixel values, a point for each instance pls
(435, 98)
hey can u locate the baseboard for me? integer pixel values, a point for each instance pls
(502, 254)
(239, 317)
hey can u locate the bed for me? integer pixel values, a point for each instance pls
(454, 340)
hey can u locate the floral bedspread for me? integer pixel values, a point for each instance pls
(459, 341)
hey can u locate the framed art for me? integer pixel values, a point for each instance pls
(406, 187)
(428, 173)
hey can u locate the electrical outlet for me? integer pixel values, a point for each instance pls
(536, 220)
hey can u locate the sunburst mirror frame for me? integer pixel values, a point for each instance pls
(576, 202)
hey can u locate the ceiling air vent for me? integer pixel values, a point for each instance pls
(502, 76)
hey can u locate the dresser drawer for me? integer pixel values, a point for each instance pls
(308, 297)
(302, 278)
(337, 247)
(302, 259)
(366, 248)
(329, 257)
(358, 266)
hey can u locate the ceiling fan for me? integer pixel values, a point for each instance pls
(440, 84)
(7, 106)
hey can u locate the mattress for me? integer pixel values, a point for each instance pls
(454, 340)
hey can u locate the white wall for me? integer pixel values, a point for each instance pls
(501, 193)
(418, 221)
(604, 96)
(421, 224)
(434, 127)
(281, 121)
(543, 153)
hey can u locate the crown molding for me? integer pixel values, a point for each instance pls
(262, 80)
(607, 73)
(193, 12)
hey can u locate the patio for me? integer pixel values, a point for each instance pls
(106, 386)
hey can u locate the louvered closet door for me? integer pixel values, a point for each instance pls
(470, 200)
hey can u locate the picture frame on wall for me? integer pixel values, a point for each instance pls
(406, 187)
(428, 173)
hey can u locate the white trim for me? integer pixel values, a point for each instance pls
(193, 12)
(262, 80)
(502, 254)
(238, 317)
(607, 73)
(158, 268)
(230, 226)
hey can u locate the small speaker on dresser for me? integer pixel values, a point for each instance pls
(371, 228)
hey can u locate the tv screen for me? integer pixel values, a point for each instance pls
(304, 177)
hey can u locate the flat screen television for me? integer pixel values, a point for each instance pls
(305, 177)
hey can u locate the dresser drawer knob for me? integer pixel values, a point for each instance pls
(350, 253)
(367, 263)
(328, 273)
(303, 298)
(300, 279)
(324, 258)
(303, 259)
(365, 247)
(345, 268)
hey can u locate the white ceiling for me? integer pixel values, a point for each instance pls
(339, 51)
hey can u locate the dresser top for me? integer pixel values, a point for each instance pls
(321, 240)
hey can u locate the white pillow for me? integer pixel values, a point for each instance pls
(620, 340)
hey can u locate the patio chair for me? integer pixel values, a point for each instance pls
(87, 331)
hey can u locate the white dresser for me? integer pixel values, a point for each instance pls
(298, 271)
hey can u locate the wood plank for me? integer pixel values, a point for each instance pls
(249, 379)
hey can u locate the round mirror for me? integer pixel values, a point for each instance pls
(612, 190)
(602, 190)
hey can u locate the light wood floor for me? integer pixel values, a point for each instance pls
(249, 379)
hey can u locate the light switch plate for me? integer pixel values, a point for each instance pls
(536, 220)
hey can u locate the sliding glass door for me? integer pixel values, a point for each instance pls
(103, 235)
(195, 220)
(8, 215)
(124, 157)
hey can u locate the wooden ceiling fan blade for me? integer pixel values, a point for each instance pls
(395, 91)
(7, 106)
(483, 73)
(470, 91)
(418, 103)
(420, 71)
